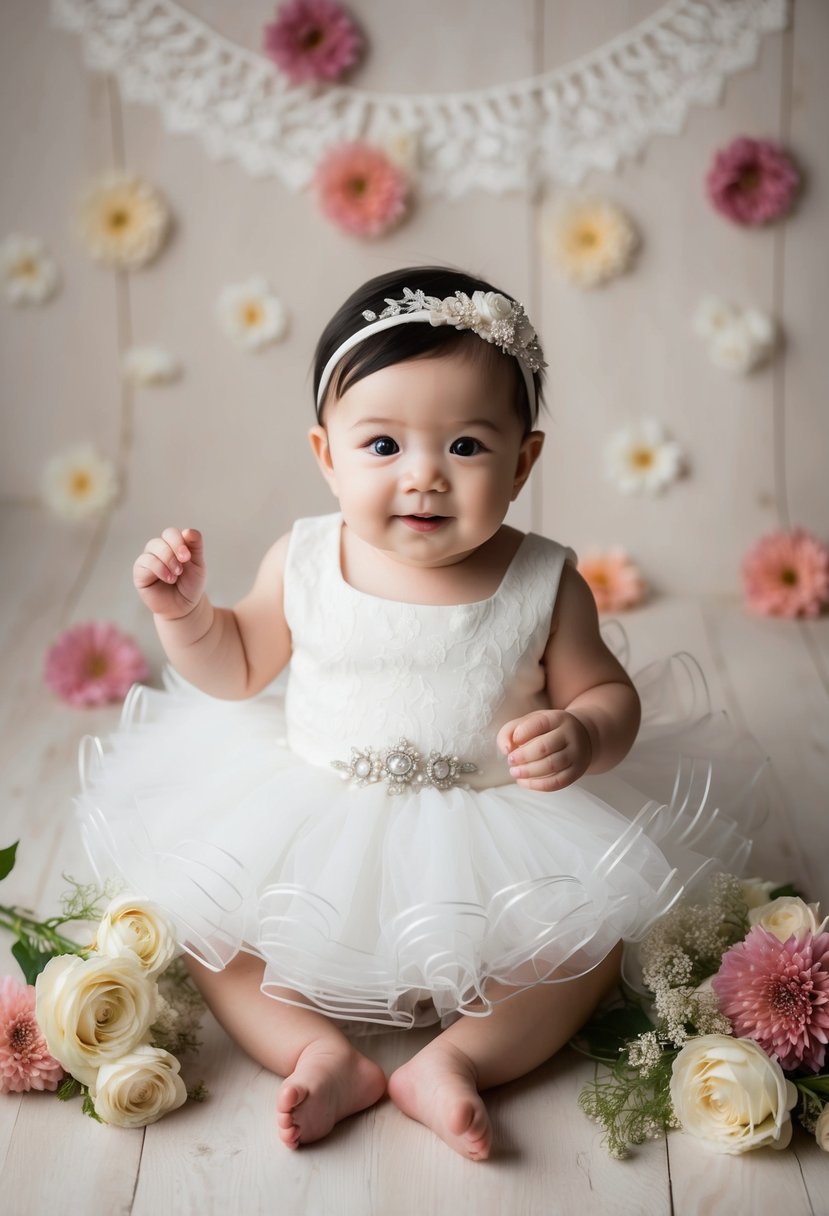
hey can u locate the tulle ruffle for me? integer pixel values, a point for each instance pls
(391, 911)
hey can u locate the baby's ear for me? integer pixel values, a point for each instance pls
(528, 454)
(318, 437)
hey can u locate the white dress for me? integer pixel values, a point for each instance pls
(388, 890)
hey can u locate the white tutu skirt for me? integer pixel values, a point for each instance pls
(396, 911)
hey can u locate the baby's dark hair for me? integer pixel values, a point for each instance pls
(402, 342)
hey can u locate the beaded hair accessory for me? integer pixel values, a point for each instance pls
(488, 314)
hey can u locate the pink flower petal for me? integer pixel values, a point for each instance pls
(25, 1062)
(752, 181)
(94, 664)
(313, 40)
(786, 574)
(361, 190)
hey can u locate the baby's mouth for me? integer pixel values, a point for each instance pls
(423, 523)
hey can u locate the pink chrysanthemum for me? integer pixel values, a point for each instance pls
(361, 190)
(25, 1062)
(777, 993)
(94, 663)
(614, 579)
(313, 40)
(787, 574)
(752, 181)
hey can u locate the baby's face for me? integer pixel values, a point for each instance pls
(426, 456)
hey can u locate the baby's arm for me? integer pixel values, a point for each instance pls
(596, 708)
(228, 652)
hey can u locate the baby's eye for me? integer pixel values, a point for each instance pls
(466, 446)
(383, 446)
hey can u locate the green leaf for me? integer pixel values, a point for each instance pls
(31, 961)
(7, 857)
(786, 889)
(609, 1031)
(88, 1107)
(817, 1085)
(68, 1088)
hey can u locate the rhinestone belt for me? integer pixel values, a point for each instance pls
(403, 767)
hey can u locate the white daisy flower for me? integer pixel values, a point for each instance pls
(641, 458)
(30, 275)
(251, 315)
(148, 366)
(79, 482)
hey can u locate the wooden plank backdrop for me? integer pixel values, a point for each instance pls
(225, 449)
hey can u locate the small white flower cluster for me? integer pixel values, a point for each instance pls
(642, 458)
(739, 339)
(149, 366)
(645, 1052)
(97, 1015)
(29, 273)
(251, 315)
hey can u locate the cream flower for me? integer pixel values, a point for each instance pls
(251, 314)
(78, 482)
(641, 458)
(756, 891)
(93, 1010)
(138, 1088)
(822, 1130)
(135, 928)
(123, 220)
(589, 241)
(30, 275)
(731, 1095)
(739, 339)
(148, 366)
(788, 915)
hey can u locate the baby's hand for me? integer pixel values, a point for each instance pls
(170, 574)
(547, 750)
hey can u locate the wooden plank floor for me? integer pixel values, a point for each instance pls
(224, 1156)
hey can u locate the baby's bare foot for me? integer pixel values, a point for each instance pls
(329, 1082)
(437, 1087)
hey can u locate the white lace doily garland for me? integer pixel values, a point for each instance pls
(592, 113)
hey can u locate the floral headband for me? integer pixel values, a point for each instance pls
(486, 313)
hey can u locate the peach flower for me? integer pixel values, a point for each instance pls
(614, 579)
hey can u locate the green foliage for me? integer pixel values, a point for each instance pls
(786, 889)
(609, 1031)
(198, 1093)
(88, 1107)
(631, 1108)
(69, 1088)
(7, 859)
(31, 960)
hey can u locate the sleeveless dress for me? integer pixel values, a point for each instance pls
(362, 834)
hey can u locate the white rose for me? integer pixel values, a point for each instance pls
(138, 1088)
(93, 1010)
(731, 1095)
(735, 348)
(136, 927)
(822, 1130)
(787, 915)
(491, 305)
(755, 891)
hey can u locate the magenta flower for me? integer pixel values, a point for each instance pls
(25, 1062)
(93, 664)
(752, 181)
(777, 993)
(786, 574)
(361, 190)
(313, 40)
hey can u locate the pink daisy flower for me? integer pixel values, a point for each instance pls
(361, 190)
(93, 664)
(25, 1062)
(777, 993)
(313, 40)
(752, 181)
(787, 574)
(614, 579)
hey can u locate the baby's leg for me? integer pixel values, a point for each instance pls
(439, 1086)
(326, 1078)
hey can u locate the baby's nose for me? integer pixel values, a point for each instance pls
(423, 472)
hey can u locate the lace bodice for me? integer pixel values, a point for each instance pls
(366, 671)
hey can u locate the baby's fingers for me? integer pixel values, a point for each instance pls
(163, 551)
(553, 781)
(149, 569)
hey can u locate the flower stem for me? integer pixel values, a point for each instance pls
(26, 928)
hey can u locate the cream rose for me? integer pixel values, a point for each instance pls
(730, 1094)
(787, 915)
(822, 1130)
(136, 927)
(491, 305)
(756, 891)
(93, 1010)
(138, 1088)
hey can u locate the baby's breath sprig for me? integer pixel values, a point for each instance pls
(631, 1104)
